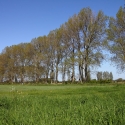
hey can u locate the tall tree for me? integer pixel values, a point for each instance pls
(9, 62)
(2, 66)
(92, 31)
(39, 57)
(66, 51)
(116, 39)
(71, 36)
(58, 50)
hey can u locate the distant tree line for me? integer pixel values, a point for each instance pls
(76, 45)
(104, 76)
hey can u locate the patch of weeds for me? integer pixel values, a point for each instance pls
(5, 103)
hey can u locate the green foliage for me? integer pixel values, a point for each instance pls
(105, 81)
(93, 81)
(116, 39)
(100, 81)
(76, 45)
(119, 80)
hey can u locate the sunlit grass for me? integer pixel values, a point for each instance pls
(62, 105)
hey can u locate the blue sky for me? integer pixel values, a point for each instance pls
(22, 20)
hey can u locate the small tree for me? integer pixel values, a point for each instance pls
(99, 76)
(111, 76)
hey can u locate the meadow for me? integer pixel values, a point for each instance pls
(62, 105)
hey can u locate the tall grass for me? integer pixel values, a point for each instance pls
(68, 106)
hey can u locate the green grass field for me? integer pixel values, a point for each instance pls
(62, 105)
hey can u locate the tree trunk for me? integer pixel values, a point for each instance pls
(22, 78)
(86, 72)
(73, 63)
(81, 77)
(86, 65)
(63, 72)
(56, 73)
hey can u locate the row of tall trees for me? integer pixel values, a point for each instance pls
(76, 46)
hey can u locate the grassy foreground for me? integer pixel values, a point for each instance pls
(62, 105)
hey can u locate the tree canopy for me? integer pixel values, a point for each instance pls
(116, 39)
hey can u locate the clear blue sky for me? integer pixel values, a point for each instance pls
(22, 20)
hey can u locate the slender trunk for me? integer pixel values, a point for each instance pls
(68, 74)
(73, 63)
(22, 73)
(10, 79)
(1, 79)
(86, 65)
(63, 72)
(81, 78)
(37, 72)
(47, 74)
(86, 72)
(15, 79)
(22, 79)
(56, 73)
(80, 63)
(37, 78)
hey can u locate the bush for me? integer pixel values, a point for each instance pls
(119, 80)
(93, 81)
